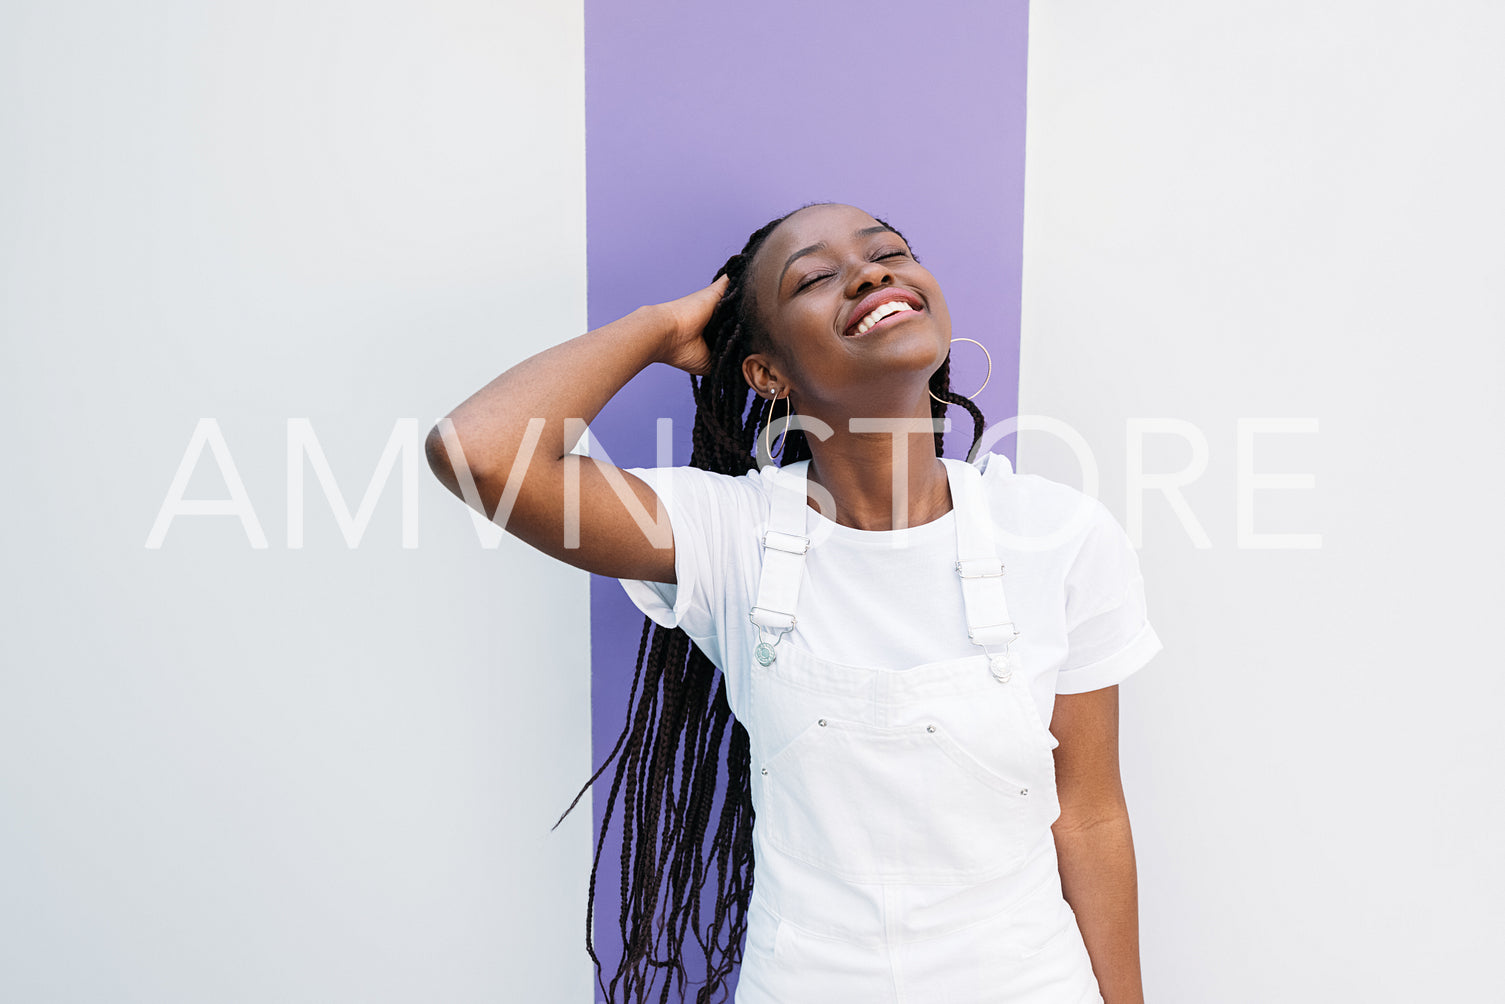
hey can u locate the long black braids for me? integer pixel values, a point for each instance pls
(680, 827)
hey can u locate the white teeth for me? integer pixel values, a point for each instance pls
(880, 312)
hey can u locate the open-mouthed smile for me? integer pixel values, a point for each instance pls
(882, 309)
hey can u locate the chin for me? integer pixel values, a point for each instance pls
(920, 356)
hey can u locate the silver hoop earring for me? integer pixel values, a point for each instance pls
(767, 422)
(984, 379)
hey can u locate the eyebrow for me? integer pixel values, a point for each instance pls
(821, 246)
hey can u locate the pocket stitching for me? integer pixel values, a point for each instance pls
(775, 789)
(979, 770)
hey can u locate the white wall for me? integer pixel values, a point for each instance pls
(320, 774)
(1289, 210)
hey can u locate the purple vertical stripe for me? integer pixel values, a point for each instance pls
(704, 121)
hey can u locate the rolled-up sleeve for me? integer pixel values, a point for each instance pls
(1108, 632)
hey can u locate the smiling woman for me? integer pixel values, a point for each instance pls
(870, 638)
(805, 326)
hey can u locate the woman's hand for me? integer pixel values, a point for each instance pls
(685, 347)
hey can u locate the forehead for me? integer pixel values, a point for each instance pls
(813, 224)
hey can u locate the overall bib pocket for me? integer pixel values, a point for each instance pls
(901, 804)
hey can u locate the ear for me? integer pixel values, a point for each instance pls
(762, 376)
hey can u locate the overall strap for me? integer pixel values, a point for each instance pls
(785, 541)
(981, 570)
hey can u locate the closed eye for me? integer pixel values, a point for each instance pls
(812, 280)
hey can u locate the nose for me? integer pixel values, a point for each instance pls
(867, 275)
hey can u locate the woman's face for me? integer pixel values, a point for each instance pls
(815, 282)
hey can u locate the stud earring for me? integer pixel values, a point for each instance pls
(984, 379)
(767, 422)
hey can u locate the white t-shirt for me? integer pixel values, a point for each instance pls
(891, 599)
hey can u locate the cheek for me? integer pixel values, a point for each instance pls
(942, 315)
(937, 299)
(807, 336)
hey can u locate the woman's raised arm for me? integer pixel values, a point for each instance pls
(505, 450)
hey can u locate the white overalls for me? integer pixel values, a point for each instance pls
(902, 843)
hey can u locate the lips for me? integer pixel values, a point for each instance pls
(874, 299)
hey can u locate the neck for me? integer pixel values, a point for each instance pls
(880, 480)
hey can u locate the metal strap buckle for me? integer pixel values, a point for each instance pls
(974, 568)
(791, 542)
(972, 633)
(752, 616)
